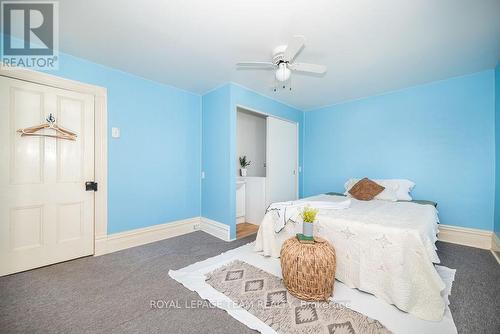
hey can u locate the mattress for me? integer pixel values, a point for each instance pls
(383, 248)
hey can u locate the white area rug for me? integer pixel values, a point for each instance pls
(193, 277)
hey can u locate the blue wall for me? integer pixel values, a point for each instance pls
(216, 158)
(154, 168)
(440, 135)
(497, 151)
(219, 146)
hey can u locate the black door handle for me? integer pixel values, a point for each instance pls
(90, 186)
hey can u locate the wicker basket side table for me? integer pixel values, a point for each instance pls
(308, 269)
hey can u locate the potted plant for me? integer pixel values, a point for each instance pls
(308, 217)
(244, 164)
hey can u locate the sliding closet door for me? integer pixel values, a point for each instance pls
(282, 160)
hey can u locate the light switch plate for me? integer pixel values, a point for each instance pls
(115, 132)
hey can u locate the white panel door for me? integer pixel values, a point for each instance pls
(282, 161)
(46, 216)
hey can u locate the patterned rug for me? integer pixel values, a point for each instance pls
(265, 296)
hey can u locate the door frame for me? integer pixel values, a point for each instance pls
(298, 143)
(100, 134)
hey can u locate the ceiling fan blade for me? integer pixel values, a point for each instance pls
(293, 47)
(305, 67)
(255, 64)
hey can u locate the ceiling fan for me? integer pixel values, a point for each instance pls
(283, 61)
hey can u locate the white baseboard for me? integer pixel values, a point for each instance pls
(495, 246)
(465, 236)
(118, 241)
(216, 229)
(141, 236)
(240, 220)
(495, 243)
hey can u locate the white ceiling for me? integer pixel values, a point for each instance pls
(370, 47)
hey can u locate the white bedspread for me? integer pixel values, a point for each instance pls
(291, 210)
(384, 248)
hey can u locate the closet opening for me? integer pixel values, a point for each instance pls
(267, 165)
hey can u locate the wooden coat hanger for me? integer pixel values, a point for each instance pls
(61, 132)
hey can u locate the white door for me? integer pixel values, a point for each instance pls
(46, 216)
(281, 161)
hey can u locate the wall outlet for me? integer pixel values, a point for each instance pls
(115, 132)
(202, 175)
(196, 226)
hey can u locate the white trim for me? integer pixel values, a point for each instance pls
(465, 236)
(266, 96)
(51, 80)
(240, 220)
(265, 114)
(101, 165)
(495, 247)
(496, 256)
(216, 229)
(145, 235)
(495, 242)
(100, 130)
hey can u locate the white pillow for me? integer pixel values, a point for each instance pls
(388, 194)
(400, 188)
(404, 188)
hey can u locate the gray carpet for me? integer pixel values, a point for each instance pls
(112, 293)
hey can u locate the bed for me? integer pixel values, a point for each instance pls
(384, 248)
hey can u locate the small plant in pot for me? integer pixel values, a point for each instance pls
(308, 215)
(244, 164)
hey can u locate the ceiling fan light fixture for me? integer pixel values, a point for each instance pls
(283, 72)
(283, 62)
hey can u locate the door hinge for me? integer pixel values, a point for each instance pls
(90, 186)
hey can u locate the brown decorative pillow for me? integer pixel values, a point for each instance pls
(365, 189)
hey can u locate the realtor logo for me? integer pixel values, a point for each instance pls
(30, 34)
